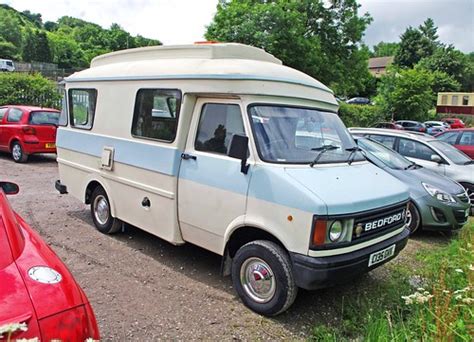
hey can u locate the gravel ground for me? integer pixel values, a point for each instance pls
(143, 288)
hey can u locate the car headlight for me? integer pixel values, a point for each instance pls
(438, 194)
(335, 231)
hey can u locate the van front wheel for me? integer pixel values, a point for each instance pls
(101, 213)
(263, 278)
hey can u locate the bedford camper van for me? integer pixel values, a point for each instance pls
(6, 65)
(221, 146)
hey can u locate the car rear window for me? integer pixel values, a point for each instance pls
(44, 118)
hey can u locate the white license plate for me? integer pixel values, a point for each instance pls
(382, 255)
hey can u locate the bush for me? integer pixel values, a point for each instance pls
(35, 90)
(361, 115)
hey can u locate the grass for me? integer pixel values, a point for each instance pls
(438, 308)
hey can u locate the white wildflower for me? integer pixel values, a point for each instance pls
(446, 291)
(471, 267)
(12, 327)
(468, 301)
(458, 297)
(459, 270)
(420, 289)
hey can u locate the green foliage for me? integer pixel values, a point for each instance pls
(361, 115)
(307, 35)
(407, 94)
(448, 60)
(28, 90)
(384, 49)
(69, 42)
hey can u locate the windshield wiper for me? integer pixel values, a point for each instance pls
(353, 151)
(322, 150)
(469, 162)
(411, 166)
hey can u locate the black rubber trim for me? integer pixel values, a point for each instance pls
(318, 272)
(60, 187)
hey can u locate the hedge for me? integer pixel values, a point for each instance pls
(28, 89)
(361, 115)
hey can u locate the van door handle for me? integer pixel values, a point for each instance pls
(187, 156)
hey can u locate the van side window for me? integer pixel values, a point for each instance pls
(156, 114)
(218, 123)
(63, 116)
(14, 115)
(2, 112)
(82, 103)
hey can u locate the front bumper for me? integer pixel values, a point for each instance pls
(436, 215)
(312, 273)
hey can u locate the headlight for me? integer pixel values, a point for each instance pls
(335, 231)
(438, 194)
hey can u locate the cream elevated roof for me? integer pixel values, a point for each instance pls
(211, 62)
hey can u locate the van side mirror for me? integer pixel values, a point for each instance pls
(9, 188)
(239, 147)
(436, 158)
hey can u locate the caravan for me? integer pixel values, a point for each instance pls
(221, 146)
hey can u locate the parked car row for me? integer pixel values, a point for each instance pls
(429, 127)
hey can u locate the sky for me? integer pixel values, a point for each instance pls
(184, 21)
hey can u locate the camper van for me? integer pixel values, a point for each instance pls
(221, 146)
(6, 65)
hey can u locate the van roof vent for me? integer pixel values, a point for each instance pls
(197, 51)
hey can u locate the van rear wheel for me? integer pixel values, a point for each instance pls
(263, 278)
(101, 212)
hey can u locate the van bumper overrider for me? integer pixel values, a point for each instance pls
(312, 273)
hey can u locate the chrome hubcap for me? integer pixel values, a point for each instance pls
(470, 194)
(101, 209)
(16, 152)
(258, 280)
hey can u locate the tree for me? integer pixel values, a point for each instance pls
(66, 52)
(10, 30)
(43, 50)
(407, 94)
(307, 35)
(29, 47)
(448, 60)
(8, 50)
(417, 43)
(384, 49)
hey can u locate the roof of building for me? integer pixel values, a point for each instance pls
(380, 62)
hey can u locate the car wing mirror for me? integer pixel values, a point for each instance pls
(239, 149)
(9, 188)
(436, 158)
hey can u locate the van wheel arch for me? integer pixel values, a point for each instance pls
(240, 237)
(89, 190)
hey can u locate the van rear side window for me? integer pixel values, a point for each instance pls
(156, 114)
(82, 103)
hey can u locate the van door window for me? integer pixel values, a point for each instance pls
(82, 103)
(14, 115)
(218, 123)
(156, 114)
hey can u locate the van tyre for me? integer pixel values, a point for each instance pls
(101, 213)
(263, 278)
(18, 155)
(414, 218)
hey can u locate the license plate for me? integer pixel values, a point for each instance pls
(51, 145)
(382, 255)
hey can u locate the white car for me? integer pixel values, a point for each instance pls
(428, 152)
(7, 65)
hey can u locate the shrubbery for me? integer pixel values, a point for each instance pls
(361, 115)
(16, 88)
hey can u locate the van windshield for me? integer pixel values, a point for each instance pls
(44, 118)
(293, 135)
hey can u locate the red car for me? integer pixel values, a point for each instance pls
(454, 122)
(462, 139)
(25, 130)
(36, 289)
(388, 125)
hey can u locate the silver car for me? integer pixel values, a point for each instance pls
(438, 203)
(431, 153)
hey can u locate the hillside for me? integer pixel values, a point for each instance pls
(69, 42)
